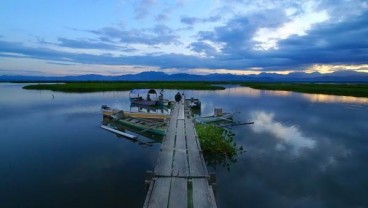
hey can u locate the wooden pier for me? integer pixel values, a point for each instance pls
(180, 178)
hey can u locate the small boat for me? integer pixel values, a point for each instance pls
(141, 126)
(149, 109)
(217, 117)
(225, 117)
(193, 102)
(108, 111)
(142, 115)
(135, 97)
(117, 114)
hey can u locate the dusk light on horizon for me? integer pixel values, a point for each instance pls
(53, 38)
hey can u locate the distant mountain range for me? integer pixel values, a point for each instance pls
(341, 76)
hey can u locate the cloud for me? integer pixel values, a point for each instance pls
(288, 136)
(237, 33)
(142, 7)
(342, 10)
(330, 42)
(342, 42)
(27, 72)
(86, 44)
(60, 63)
(162, 61)
(161, 17)
(202, 47)
(193, 20)
(160, 34)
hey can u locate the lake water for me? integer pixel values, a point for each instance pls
(303, 150)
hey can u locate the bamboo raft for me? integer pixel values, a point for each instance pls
(180, 178)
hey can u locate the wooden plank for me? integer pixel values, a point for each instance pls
(190, 135)
(180, 164)
(178, 193)
(196, 165)
(180, 135)
(202, 193)
(164, 162)
(160, 193)
(175, 112)
(181, 112)
(169, 140)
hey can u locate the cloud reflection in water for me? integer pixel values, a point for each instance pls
(319, 98)
(288, 136)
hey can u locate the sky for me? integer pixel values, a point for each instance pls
(116, 37)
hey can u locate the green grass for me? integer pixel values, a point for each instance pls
(218, 145)
(356, 90)
(121, 86)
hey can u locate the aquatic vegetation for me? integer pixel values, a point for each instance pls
(121, 86)
(218, 145)
(357, 90)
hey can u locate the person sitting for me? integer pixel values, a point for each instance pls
(148, 98)
(161, 97)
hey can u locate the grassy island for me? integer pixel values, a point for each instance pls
(121, 86)
(218, 145)
(356, 90)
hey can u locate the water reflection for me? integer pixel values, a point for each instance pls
(278, 93)
(54, 154)
(316, 98)
(247, 91)
(288, 136)
(319, 98)
(303, 150)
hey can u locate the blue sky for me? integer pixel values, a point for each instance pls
(72, 37)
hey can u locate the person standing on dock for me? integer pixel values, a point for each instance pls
(177, 97)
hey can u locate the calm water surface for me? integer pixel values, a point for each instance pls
(303, 150)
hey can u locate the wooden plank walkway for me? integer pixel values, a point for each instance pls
(180, 178)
